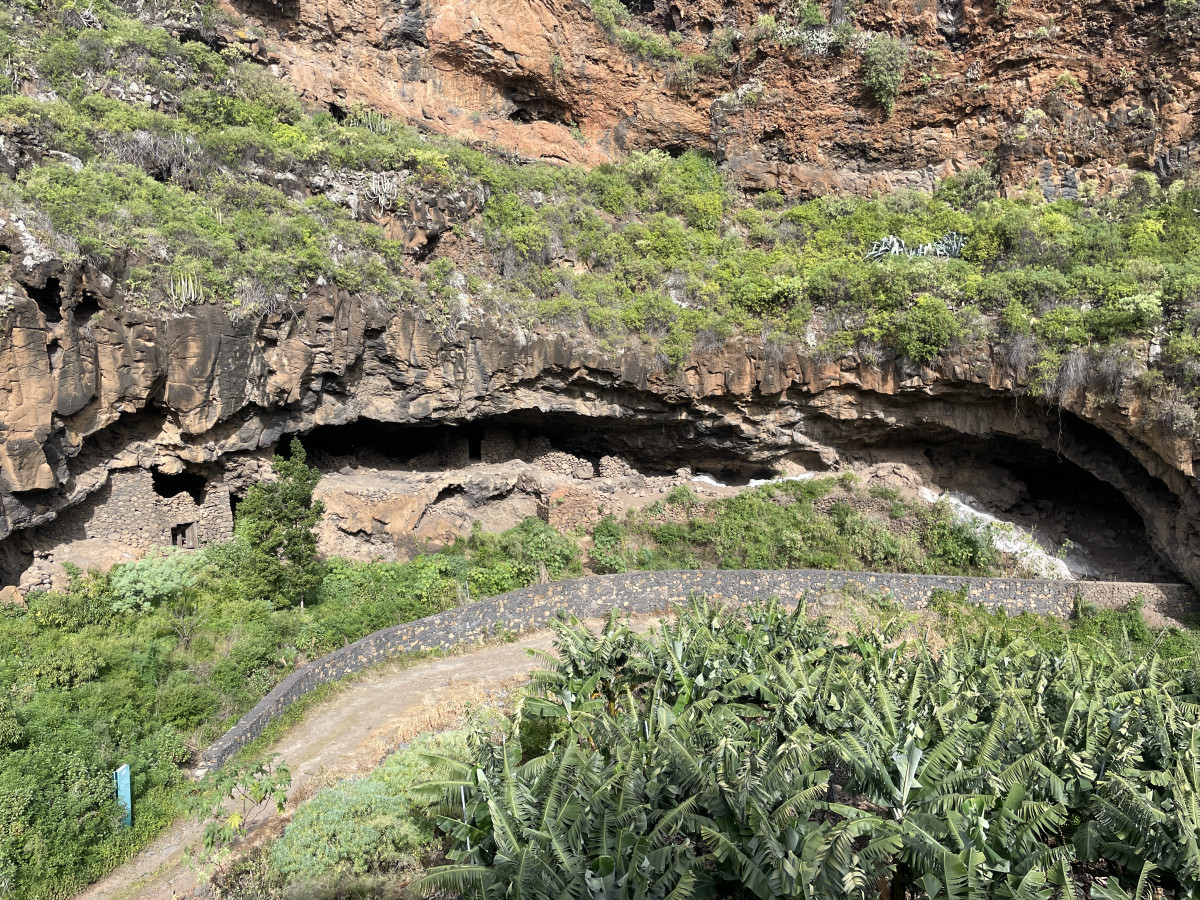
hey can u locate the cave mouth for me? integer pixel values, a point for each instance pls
(1066, 507)
(48, 299)
(172, 485)
(650, 448)
(1069, 510)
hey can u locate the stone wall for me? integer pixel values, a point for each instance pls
(568, 508)
(448, 452)
(498, 446)
(132, 512)
(651, 592)
(128, 513)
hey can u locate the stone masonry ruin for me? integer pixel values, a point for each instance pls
(137, 511)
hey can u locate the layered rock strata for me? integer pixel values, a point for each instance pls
(1059, 92)
(88, 390)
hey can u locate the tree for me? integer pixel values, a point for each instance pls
(275, 528)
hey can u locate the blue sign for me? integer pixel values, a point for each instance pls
(124, 794)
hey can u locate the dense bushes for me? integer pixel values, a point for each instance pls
(757, 754)
(275, 526)
(149, 662)
(777, 526)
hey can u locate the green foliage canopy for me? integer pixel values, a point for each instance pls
(276, 522)
(757, 754)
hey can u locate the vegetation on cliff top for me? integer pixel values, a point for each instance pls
(219, 191)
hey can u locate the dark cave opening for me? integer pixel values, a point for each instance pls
(13, 561)
(172, 485)
(1064, 505)
(48, 299)
(87, 308)
(423, 253)
(651, 448)
(1070, 510)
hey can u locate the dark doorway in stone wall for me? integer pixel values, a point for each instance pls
(475, 448)
(167, 486)
(183, 536)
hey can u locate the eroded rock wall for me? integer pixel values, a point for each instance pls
(176, 392)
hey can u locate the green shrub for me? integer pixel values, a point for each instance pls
(87, 600)
(682, 495)
(157, 579)
(186, 706)
(926, 330)
(608, 550)
(12, 735)
(370, 826)
(811, 15)
(884, 63)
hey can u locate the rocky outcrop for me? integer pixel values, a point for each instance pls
(371, 514)
(1057, 92)
(87, 388)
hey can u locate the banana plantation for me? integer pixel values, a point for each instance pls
(760, 753)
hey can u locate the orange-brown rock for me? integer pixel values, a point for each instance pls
(1059, 91)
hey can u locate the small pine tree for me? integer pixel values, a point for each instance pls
(275, 525)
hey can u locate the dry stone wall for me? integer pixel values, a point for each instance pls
(130, 513)
(650, 592)
(134, 513)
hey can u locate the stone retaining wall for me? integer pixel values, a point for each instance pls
(650, 592)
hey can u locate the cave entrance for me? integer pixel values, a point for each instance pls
(652, 447)
(1071, 512)
(172, 485)
(87, 308)
(13, 561)
(48, 300)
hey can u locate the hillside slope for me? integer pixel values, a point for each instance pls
(205, 246)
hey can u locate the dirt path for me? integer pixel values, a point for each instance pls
(348, 734)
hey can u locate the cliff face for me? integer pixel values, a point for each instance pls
(1053, 90)
(88, 389)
